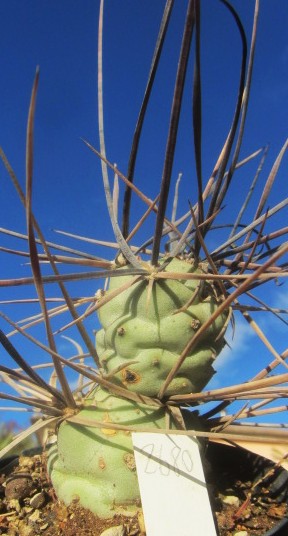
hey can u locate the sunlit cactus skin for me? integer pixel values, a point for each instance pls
(154, 330)
(96, 465)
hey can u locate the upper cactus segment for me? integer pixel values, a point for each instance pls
(153, 326)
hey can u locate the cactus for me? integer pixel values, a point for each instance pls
(151, 330)
(163, 311)
(96, 465)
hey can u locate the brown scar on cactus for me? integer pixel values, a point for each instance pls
(129, 376)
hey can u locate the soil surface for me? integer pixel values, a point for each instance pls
(248, 497)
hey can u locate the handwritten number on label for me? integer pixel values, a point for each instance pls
(179, 460)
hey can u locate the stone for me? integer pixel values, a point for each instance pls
(18, 487)
(232, 500)
(38, 500)
(114, 531)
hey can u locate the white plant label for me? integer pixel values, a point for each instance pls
(172, 485)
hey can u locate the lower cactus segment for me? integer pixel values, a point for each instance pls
(153, 330)
(96, 466)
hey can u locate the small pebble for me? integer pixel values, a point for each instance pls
(18, 487)
(114, 531)
(27, 509)
(34, 517)
(26, 462)
(38, 500)
(232, 500)
(14, 505)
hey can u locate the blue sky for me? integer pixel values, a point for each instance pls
(61, 37)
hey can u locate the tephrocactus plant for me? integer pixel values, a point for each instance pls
(164, 305)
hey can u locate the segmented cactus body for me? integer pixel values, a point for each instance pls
(153, 328)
